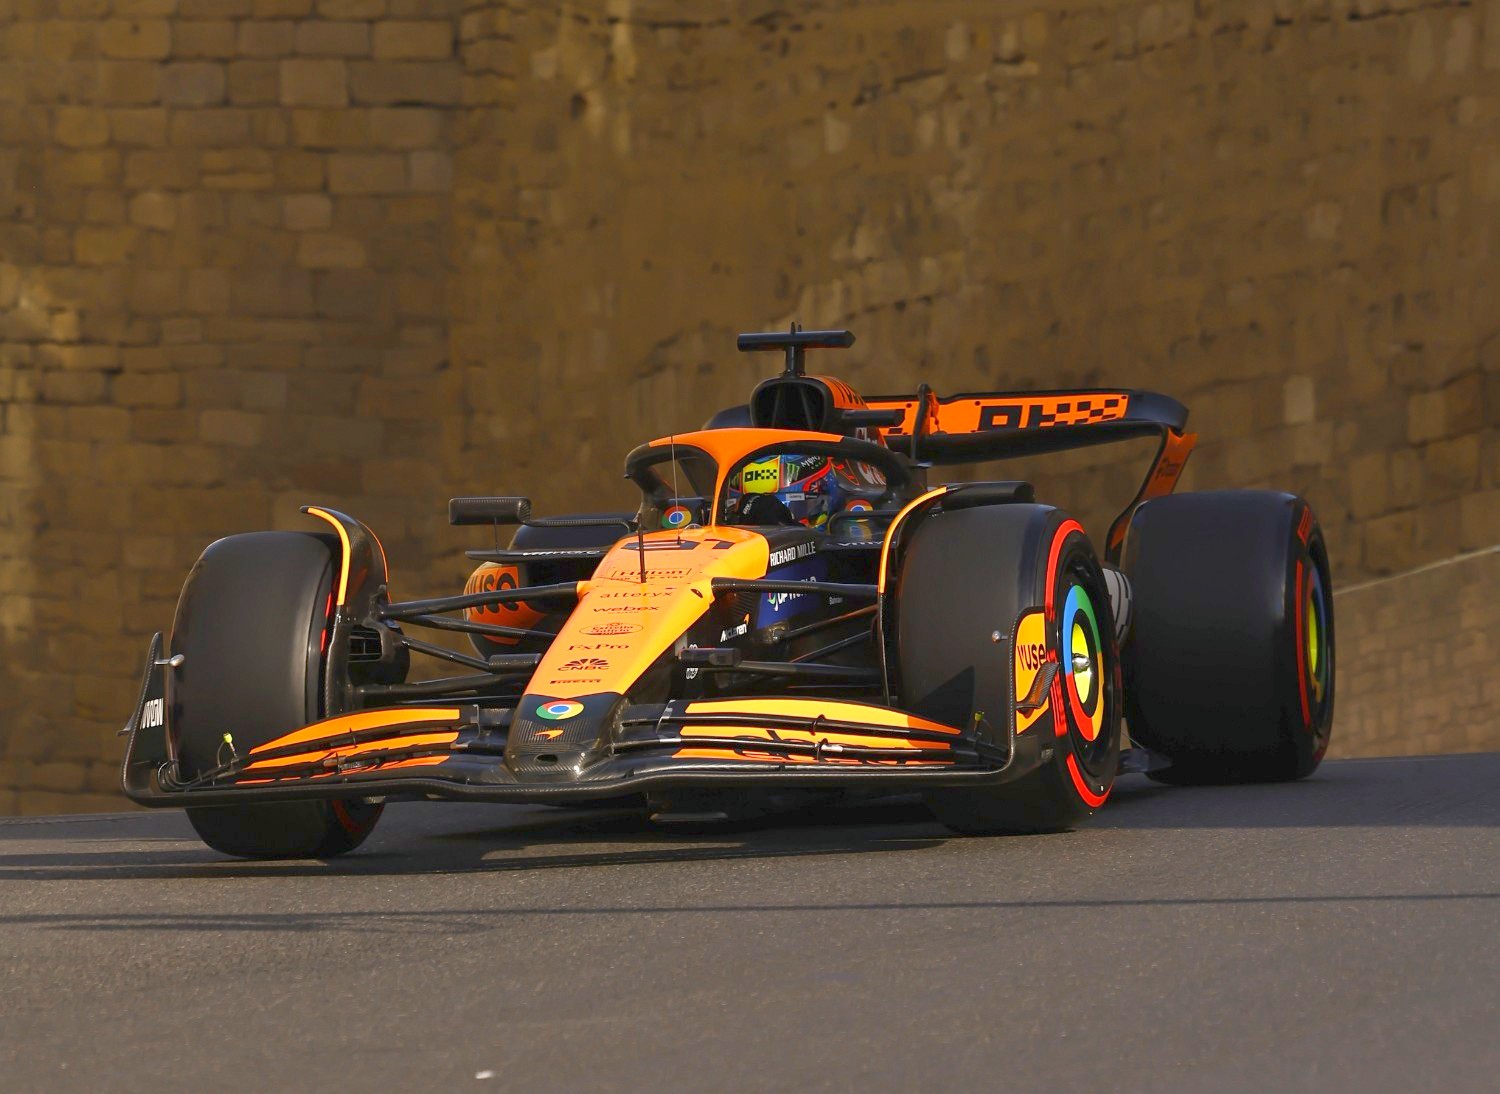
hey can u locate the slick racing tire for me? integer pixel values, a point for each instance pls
(970, 574)
(1229, 669)
(249, 627)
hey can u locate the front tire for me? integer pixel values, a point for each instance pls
(250, 627)
(971, 573)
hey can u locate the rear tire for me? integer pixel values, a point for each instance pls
(1230, 662)
(250, 626)
(970, 573)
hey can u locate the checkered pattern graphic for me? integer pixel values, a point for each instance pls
(1036, 411)
(1074, 410)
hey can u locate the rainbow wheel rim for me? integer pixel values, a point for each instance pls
(1083, 665)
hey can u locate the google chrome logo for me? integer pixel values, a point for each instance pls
(559, 711)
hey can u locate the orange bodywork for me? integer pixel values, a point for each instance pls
(421, 720)
(413, 740)
(363, 721)
(1161, 480)
(811, 709)
(621, 625)
(492, 577)
(729, 446)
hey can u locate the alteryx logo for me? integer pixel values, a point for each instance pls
(775, 607)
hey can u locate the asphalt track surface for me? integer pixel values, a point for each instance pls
(1338, 933)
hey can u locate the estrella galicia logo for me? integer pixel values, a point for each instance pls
(612, 628)
(559, 711)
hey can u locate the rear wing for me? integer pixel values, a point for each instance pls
(995, 425)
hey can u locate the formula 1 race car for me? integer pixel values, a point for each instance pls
(793, 613)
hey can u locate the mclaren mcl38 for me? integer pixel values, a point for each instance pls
(793, 613)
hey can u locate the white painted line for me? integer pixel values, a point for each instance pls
(1454, 561)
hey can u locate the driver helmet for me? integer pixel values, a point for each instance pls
(812, 488)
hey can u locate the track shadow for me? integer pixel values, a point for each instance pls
(537, 840)
(1447, 791)
(1407, 792)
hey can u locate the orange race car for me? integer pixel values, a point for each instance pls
(792, 613)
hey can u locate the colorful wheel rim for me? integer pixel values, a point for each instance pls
(1083, 666)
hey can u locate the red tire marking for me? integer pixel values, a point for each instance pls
(345, 818)
(1059, 715)
(1067, 528)
(1302, 653)
(1092, 800)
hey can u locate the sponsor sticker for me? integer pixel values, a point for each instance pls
(791, 554)
(777, 606)
(762, 476)
(678, 516)
(584, 664)
(612, 628)
(1031, 653)
(559, 711)
(153, 714)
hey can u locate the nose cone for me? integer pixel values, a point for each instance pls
(553, 740)
(621, 628)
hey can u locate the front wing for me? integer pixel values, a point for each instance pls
(457, 751)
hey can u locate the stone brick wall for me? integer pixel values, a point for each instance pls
(1416, 661)
(255, 253)
(223, 264)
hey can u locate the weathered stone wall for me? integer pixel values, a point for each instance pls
(222, 294)
(371, 252)
(1416, 660)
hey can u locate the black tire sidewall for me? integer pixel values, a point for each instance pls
(1212, 666)
(999, 579)
(250, 626)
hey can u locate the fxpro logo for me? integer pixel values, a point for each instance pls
(779, 600)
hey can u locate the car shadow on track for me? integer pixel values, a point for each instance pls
(434, 839)
(425, 840)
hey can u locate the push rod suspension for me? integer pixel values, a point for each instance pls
(816, 588)
(567, 590)
(491, 630)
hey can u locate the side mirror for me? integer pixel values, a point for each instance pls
(489, 510)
